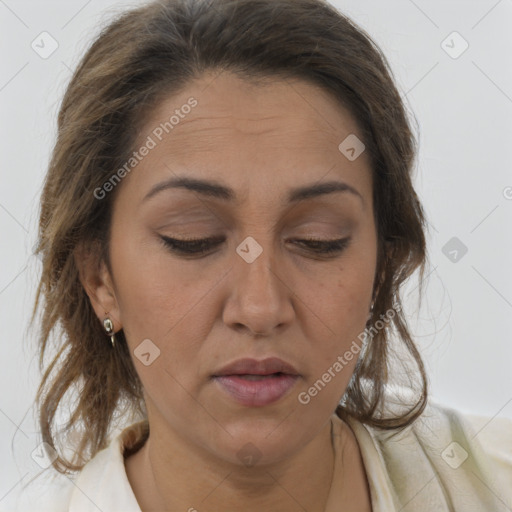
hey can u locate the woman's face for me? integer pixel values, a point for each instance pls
(257, 292)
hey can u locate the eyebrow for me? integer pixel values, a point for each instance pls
(216, 190)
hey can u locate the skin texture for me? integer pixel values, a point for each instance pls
(208, 311)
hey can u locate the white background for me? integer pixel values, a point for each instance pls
(464, 109)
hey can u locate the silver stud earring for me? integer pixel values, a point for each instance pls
(109, 328)
(370, 313)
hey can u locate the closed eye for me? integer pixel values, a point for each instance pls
(201, 246)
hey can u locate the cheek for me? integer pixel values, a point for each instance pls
(151, 288)
(353, 289)
(343, 302)
(343, 305)
(349, 291)
(156, 297)
(172, 303)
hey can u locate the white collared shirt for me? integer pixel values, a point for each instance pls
(444, 462)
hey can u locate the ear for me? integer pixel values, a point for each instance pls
(98, 283)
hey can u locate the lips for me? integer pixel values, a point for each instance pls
(254, 383)
(254, 367)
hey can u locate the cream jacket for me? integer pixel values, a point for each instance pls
(445, 461)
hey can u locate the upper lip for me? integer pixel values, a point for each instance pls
(254, 367)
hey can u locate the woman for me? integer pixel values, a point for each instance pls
(225, 226)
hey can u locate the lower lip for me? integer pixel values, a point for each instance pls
(256, 393)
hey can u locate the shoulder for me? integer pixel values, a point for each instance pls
(51, 491)
(462, 437)
(464, 459)
(495, 436)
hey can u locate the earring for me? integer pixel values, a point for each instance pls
(109, 328)
(370, 313)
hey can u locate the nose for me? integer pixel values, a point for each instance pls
(260, 301)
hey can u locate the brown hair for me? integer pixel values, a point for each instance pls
(145, 55)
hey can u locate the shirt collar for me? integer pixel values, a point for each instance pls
(103, 483)
(382, 494)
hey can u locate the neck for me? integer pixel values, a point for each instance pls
(202, 482)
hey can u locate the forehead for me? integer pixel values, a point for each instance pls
(252, 136)
(287, 110)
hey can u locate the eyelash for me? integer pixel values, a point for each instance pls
(201, 246)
